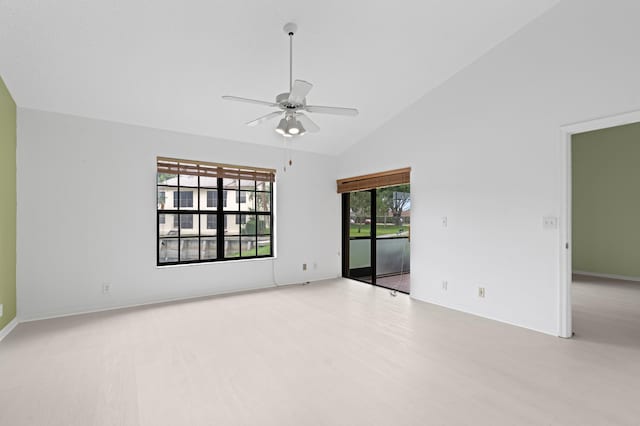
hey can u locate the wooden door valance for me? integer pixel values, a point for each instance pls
(215, 170)
(374, 180)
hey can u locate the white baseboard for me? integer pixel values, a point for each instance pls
(8, 328)
(487, 317)
(611, 276)
(92, 310)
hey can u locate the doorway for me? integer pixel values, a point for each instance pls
(376, 236)
(565, 326)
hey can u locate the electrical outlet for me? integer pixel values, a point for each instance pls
(1, 309)
(304, 266)
(445, 221)
(106, 288)
(445, 284)
(481, 292)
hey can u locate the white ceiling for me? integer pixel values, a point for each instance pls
(165, 64)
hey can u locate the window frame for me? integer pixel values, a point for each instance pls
(221, 213)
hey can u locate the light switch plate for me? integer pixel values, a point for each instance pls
(550, 222)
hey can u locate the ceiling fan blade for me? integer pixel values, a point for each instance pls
(250, 101)
(307, 123)
(264, 118)
(331, 110)
(299, 91)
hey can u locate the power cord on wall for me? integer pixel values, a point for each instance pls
(273, 273)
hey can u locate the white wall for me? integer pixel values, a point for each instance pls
(86, 215)
(485, 152)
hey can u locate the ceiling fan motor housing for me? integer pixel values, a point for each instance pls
(283, 100)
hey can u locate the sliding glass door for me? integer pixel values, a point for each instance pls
(360, 235)
(393, 225)
(376, 228)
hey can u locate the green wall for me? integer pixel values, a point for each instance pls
(7, 205)
(606, 201)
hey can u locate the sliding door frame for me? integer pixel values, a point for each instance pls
(346, 236)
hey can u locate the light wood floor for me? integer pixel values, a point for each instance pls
(401, 282)
(332, 353)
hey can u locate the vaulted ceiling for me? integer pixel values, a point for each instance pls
(166, 64)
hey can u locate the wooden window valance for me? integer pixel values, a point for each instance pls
(374, 180)
(215, 170)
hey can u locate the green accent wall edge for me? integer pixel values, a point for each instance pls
(7, 205)
(606, 201)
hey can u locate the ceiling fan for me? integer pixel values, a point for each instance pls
(292, 104)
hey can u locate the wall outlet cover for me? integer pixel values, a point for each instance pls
(550, 222)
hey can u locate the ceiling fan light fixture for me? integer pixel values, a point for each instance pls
(282, 127)
(295, 128)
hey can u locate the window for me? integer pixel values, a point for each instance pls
(211, 221)
(212, 199)
(185, 198)
(183, 221)
(186, 221)
(195, 197)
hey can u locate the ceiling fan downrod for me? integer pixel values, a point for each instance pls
(290, 29)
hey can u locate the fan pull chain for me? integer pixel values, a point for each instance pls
(288, 162)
